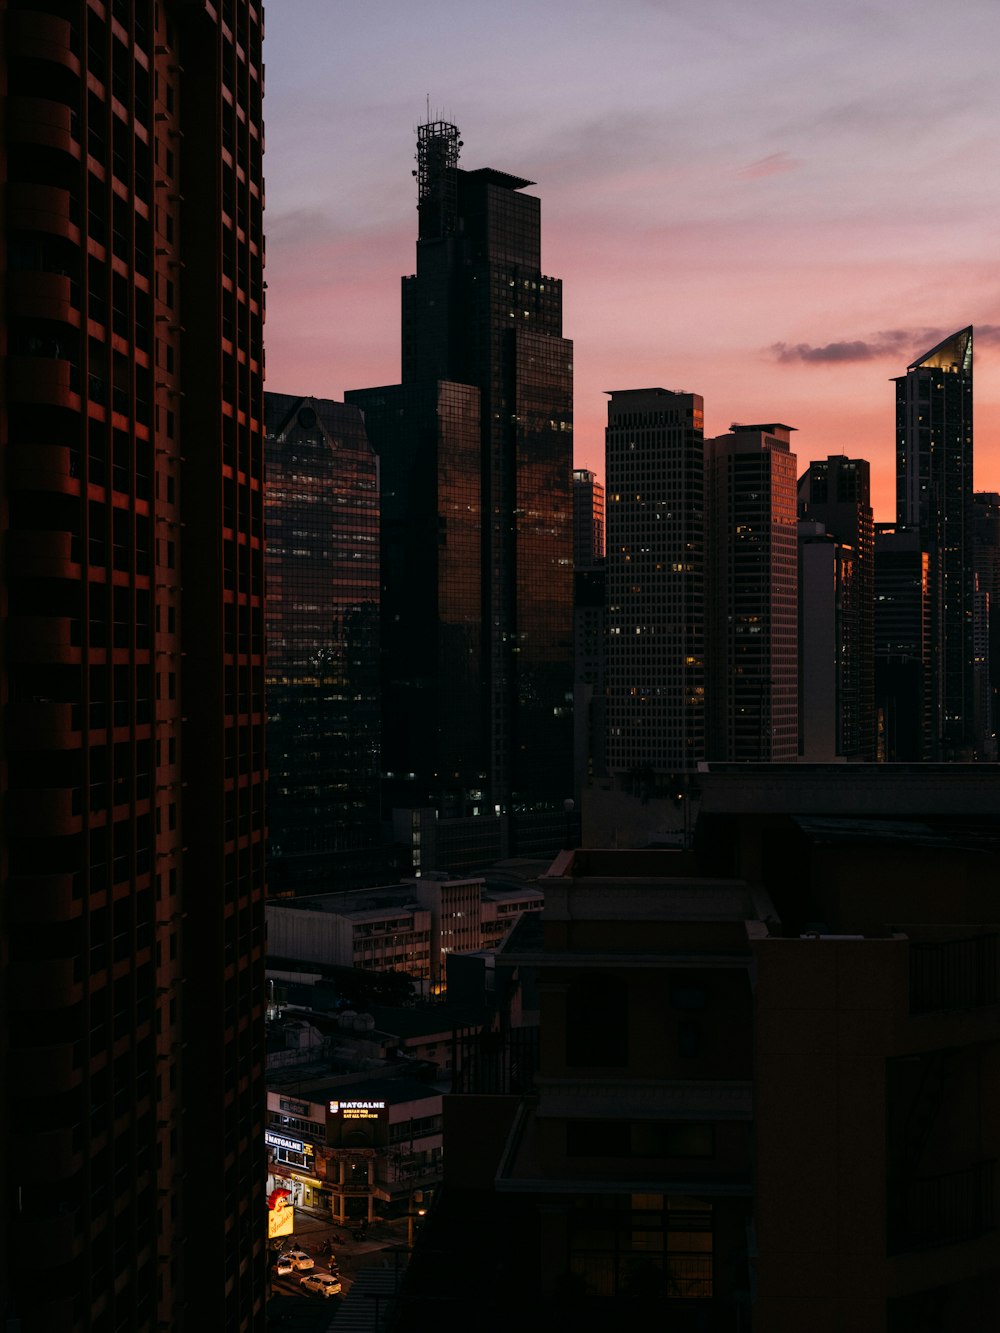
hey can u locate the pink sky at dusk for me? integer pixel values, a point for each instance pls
(777, 207)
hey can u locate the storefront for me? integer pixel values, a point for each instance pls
(292, 1164)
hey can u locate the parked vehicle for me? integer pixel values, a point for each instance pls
(321, 1284)
(283, 1266)
(300, 1261)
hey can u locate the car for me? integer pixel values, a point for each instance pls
(283, 1266)
(300, 1261)
(321, 1284)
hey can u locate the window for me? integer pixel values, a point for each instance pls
(597, 1022)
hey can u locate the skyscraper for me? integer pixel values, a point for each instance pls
(322, 514)
(475, 448)
(588, 519)
(902, 645)
(752, 621)
(132, 934)
(655, 581)
(836, 493)
(986, 564)
(934, 495)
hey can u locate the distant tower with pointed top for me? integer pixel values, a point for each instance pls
(934, 495)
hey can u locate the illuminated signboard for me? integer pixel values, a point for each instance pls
(357, 1124)
(358, 1110)
(283, 1141)
(280, 1214)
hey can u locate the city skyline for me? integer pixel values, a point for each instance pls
(730, 220)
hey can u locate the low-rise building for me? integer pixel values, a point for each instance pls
(411, 927)
(357, 1148)
(768, 1090)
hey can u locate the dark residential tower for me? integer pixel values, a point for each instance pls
(902, 645)
(655, 581)
(835, 492)
(322, 512)
(588, 519)
(752, 595)
(131, 487)
(475, 449)
(934, 495)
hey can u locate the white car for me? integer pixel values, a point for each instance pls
(322, 1284)
(283, 1266)
(300, 1261)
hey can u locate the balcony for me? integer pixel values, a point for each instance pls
(46, 985)
(49, 380)
(41, 295)
(50, 1071)
(54, 1153)
(947, 975)
(44, 812)
(41, 726)
(43, 37)
(41, 899)
(44, 123)
(48, 555)
(44, 208)
(43, 639)
(43, 467)
(942, 1210)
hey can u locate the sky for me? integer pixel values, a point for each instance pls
(777, 206)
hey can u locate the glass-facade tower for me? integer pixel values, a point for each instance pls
(934, 495)
(322, 563)
(752, 586)
(475, 448)
(836, 492)
(655, 581)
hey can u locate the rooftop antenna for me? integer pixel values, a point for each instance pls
(428, 109)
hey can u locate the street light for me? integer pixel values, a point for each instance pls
(417, 1204)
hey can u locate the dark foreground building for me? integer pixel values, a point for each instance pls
(131, 440)
(475, 448)
(322, 514)
(768, 1088)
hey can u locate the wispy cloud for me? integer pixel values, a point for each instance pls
(889, 342)
(772, 165)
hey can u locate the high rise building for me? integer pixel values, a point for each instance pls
(589, 630)
(132, 927)
(826, 591)
(902, 645)
(986, 565)
(752, 620)
(322, 563)
(655, 581)
(588, 518)
(475, 449)
(934, 495)
(836, 493)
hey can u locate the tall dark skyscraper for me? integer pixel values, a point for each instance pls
(986, 563)
(131, 670)
(475, 449)
(322, 513)
(588, 519)
(836, 493)
(934, 495)
(902, 645)
(752, 583)
(655, 581)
